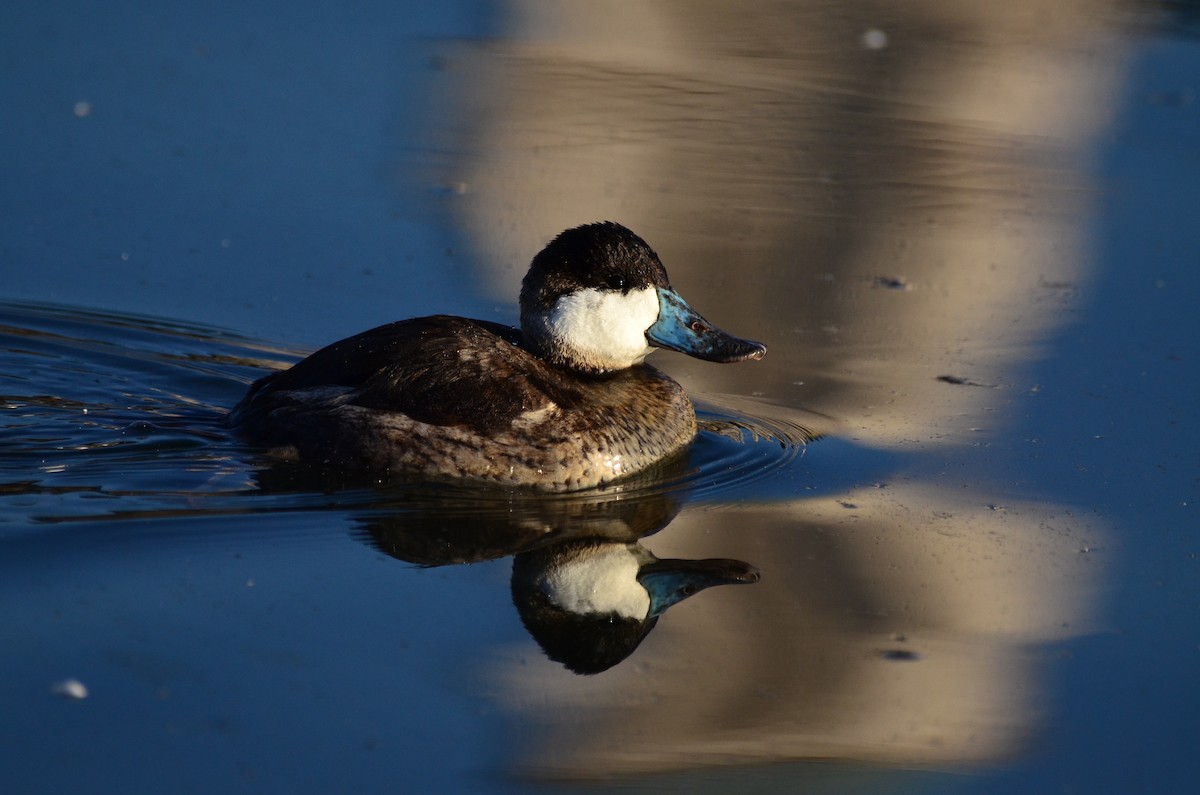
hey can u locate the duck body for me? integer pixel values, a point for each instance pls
(564, 403)
(449, 397)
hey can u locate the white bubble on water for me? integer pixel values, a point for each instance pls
(874, 39)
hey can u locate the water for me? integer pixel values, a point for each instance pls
(125, 495)
(966, 468)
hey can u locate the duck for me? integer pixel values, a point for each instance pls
(564, 403)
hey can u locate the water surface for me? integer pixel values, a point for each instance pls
(966, 469)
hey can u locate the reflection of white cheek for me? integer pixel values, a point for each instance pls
(601, 581)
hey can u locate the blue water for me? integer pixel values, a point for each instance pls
(985, 584)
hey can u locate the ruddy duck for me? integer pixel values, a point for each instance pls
(564, 403)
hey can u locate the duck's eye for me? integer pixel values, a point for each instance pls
(615, 281)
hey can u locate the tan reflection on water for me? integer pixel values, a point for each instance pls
(880, 217)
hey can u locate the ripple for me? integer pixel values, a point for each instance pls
(745, 443)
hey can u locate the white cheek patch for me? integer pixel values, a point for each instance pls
(604, 327)
(603, 581)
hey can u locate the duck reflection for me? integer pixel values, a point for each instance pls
(589, 604)
(585, 587)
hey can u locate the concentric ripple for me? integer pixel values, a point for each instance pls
(743, 442)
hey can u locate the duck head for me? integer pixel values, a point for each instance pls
(597, 299)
